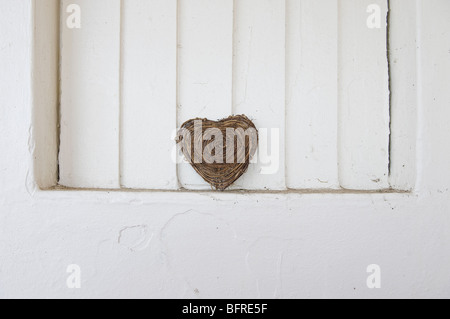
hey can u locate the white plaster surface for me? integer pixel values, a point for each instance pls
(206, 245)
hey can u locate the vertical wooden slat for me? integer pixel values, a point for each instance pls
(363, 96)
(205, 42)
(259, 84)
(403, 56)
(46, 95)
(149, 73)
(312, 82)
(433, 74)
(89, 155)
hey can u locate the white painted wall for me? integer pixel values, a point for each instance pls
(203, 245)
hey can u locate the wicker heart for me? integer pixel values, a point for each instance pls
(219, 151)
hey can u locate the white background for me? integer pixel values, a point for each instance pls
(206, 245)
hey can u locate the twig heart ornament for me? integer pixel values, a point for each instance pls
(219, 151)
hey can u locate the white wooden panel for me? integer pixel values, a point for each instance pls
(89, 155)
(205, 44)
(363, 97)
(403, 47)
(148, 115)
(312, 82)
(259, 83)
(433, 33)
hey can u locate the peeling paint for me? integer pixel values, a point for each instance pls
(135, 238)
(30, 184)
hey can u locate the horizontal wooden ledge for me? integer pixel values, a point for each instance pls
(238, 192)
